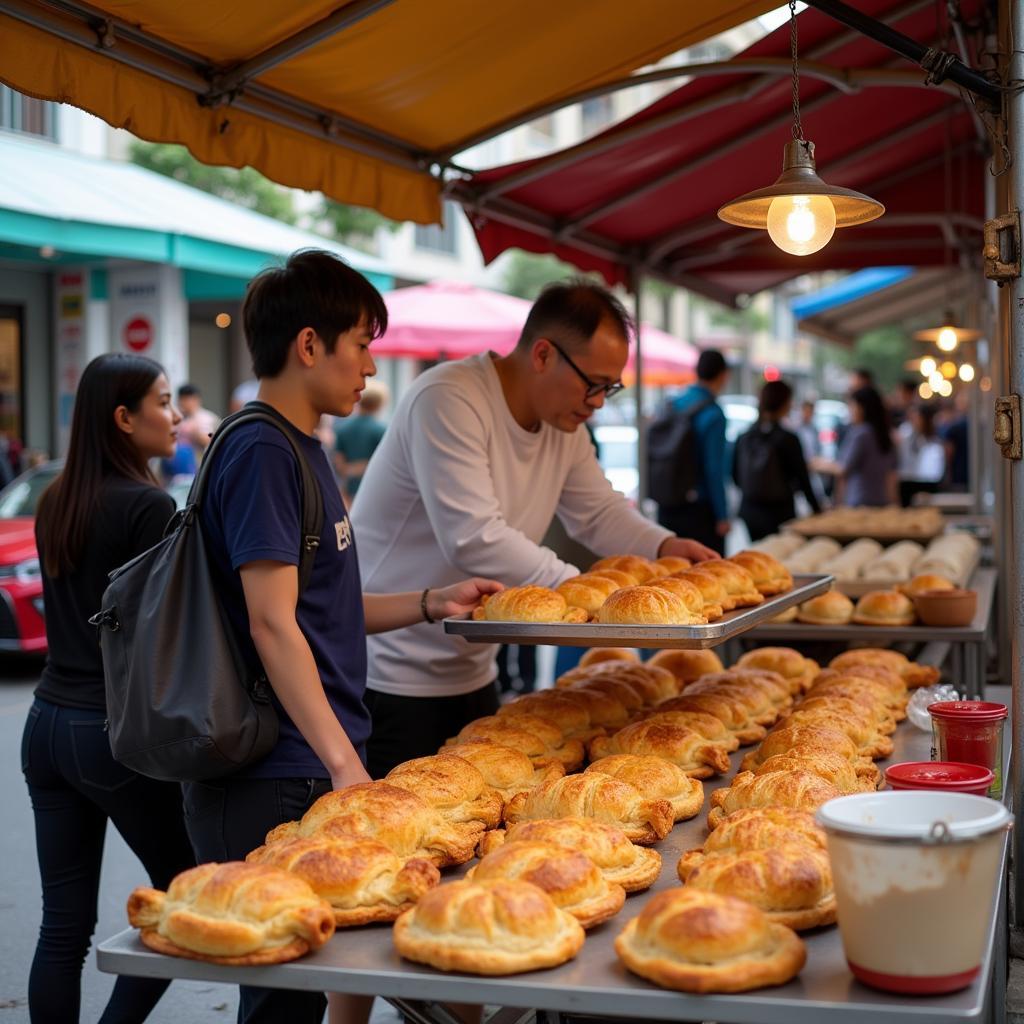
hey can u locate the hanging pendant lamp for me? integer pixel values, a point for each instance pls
(949, 334)
(800, 211)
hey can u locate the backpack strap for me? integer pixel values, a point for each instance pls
(312, 510)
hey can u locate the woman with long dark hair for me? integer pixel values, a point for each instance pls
(101, 511)
(866, 466)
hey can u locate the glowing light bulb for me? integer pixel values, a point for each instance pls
(925, 391)
(945, 389)
(948, 369)
(947, 339)
(985, 383)
(936, 379)
(222, 320)
(967, 373)
(928, 366)
(801, 225)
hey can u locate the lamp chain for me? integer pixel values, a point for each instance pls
(798, 128)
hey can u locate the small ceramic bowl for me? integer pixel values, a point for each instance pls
(945, 608)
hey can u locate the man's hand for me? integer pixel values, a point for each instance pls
(349, 776)
(683, 548)
(722, 527)
(459, 598)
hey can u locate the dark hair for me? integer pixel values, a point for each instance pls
(574, 310)
(875, 415)
(97, 449)
(927, 414)
(313, 289)
(775, 396)
(865, 374)
(711, 364)
(908, 384)
(188, 391)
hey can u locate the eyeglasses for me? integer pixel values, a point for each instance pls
(593, 389)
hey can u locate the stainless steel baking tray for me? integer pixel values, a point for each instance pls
(592, 634)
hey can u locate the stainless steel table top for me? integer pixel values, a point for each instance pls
(363, 960)
(592, 634)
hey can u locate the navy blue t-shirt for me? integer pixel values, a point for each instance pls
(252, 512)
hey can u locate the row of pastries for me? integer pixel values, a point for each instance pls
(560, 847)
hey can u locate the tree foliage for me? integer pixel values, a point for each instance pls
(527, 273)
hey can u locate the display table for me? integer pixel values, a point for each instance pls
(363, 961)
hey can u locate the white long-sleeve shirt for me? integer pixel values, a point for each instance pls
(458, 488)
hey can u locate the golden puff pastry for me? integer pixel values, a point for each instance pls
(685, 590)
(733, 715)
(690, 940)
(712, 590)
(801, 791)
(789, 615)
(621, 691)
(570, 718)
(702, 722)
(655, 777)
(542, 742)
(361, 879)
(754, 703)
(619, 578)
(572, 880)
(770, 576)
(884, 608)
(527, 604)
(833, 768)
(698, 757)
(604, 711)
(798, 672)
(493, 928)
(756, 828)
(506, 770)
(596, 655)
(452, 785)
(688, 666)
(641, 569)
(391, 815)
(600, 797)
(652, 684)
(864, 689)
(623, 863)
(833, 608)
(791, 884)
(738, 583)
(807, 737)
(673, 563)
(233, 913)
(909, 671)
(926, 581)
(870, 742)
(873, 713)
(588, 591)
(647, 606)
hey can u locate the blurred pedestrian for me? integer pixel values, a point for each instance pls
(922, 455)
(805, 429)
(769, 466)
(902, 402)
(356, 439)
(955, 434)
(243, 394)
(198, 424)
(101, 511)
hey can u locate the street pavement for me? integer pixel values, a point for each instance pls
(20, 907)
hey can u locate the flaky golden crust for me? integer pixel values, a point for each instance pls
(588, 591)
(598, 654)
(604, 710)
(711, 588)
(650, 683)
(657, 778)
(770, 576)
(572, 880)
(835, 770)
(688, 666)
(910, 672)
(506, 770)
(797, 671)
(492, 928)
(739, 584)
(570, 718)
(685, 590)
(864, 689)
(660, 737)
(452, 785)
(925, 581)
(702, 722)
(874, 714)
(232, 913)
(734, 715)
(799, 790)
(694, 941)
(632, 867)
(884, 608)
(649, 606)
(673, 563)
(596, 796)
(619, 690)
(870, 742)
(361, 879)
(641, 569)
(809, 737)
(833, 608)
(542, 742)
(527, 604)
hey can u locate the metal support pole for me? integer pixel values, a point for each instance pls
(638, 395)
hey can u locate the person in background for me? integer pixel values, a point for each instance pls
(903, 401)
(807, 432)
(861, 377)
(956, 436)
(769, 466)
(866, 466)
(356, 439)
(922, 455)
(243, 393)
(705, 519)
(198, 423)
(101, 511)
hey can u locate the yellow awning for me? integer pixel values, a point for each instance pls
(358, 100)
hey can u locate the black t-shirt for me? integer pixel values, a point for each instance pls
(130, 519)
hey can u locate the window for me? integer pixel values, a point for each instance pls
(26, 114)
(596, 114)
(543, 128)
(442, 237)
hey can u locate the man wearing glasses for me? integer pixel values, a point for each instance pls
(479, 457)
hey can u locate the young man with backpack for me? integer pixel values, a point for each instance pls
(686, 452)
(308, 326)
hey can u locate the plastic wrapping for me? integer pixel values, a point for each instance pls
(917, 709)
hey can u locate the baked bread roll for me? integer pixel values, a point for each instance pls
(657, 778)
(688, 666)
(233, 913)
(361, 879)
(909, 671)
(596, 796)
(572, 880)
(506, 770)
(651, 683)
(391, 815)
(808, 738)
(739, 584)
(598, 654)
(569, 717)
(527, 604)
(924, 582)
(791, 884)
(801, 791)
(789, 615)
(641, 569)
(769, 685)
(619, 690)
(812, 556)
(884, 608)
(770, 576)
(540, 741)
(623, 863)
(619, 578)
(673, 563)
(712, 590)
(684, 590)
(833, 608)
(757, 828)
(647, 606)
(733, 715)
(795, 669)
(452, 785)
(588, 592)
(864, 682)
(834, 769)
(894, 563)
(753, 702)
(780, 545)
(658, 737)
(707, 725)
(492, 928)
(870, 742)
(849, 562)
(690, 940)
(872, 713)
(604, 711)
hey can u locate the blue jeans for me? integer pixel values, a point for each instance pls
(75, 786)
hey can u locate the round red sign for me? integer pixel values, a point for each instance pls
(138, 334)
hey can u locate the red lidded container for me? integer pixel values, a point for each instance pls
(946, 775)
(970, 732)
